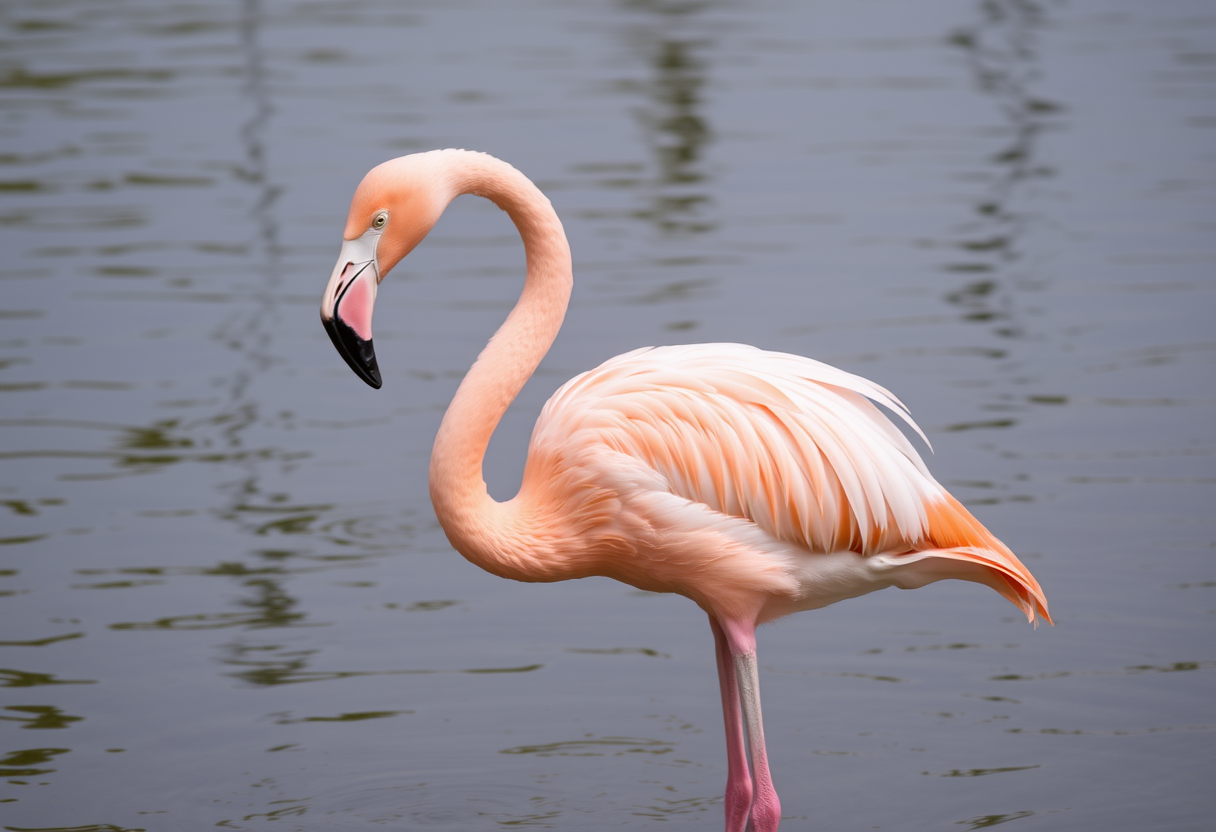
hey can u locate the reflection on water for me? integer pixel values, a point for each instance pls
(676, 130)
(200, 510)
(594, 747)
(40, 716)
(986, 821)
(287, 719)
(980, 772)
(1002, 54)
(27, 763)
(265, 601)
(22, 679)
(273, 665)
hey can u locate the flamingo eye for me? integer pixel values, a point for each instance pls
(380, 221)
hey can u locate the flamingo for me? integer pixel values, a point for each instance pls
(755, 483)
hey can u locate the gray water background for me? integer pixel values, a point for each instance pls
(224, 599)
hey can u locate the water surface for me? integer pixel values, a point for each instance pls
(224, 599)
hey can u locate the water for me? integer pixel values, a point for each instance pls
(224, 599)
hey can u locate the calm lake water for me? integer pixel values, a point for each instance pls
(224, 599)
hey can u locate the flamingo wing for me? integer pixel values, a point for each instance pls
(794, 446)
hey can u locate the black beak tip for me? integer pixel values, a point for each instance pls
(360, 355)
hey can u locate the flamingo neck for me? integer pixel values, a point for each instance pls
(481, 529)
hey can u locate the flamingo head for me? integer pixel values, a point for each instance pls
(394, 208)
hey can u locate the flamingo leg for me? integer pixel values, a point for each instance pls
(738, 779)
(740, 679)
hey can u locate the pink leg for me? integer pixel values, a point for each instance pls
(739, 640)
(738, 779)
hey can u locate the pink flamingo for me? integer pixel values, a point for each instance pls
(755, 483)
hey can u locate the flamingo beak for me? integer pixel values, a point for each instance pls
(346, 307)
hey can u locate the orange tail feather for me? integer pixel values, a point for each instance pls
(955, 535)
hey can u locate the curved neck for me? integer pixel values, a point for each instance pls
(476, 525)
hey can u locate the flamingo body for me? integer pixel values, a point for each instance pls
(755, 483)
